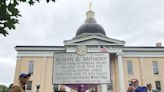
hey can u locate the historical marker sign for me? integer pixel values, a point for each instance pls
(91, 68)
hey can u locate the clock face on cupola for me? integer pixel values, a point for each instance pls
(81, 50)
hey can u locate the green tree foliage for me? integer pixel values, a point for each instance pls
(9, 13)
(3, 88)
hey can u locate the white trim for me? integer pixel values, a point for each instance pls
(38, 48)
(143, 54)
(36, 53)
(78, 40)
(45, 51)
(133, 49)
(162, 56)
(42, 53)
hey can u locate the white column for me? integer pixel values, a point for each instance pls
(121, 73)
(104, 88)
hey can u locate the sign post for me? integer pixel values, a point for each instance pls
(81, 70)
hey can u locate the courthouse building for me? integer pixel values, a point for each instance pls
(125, 62)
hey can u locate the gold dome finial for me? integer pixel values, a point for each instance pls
(90, 6)
(90, 14)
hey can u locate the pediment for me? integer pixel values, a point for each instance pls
(94, 40)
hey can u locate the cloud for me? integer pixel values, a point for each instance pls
(7, 69)
(137, 19)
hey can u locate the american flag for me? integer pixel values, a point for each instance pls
(103, 49)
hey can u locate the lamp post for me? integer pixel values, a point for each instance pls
(37, 88)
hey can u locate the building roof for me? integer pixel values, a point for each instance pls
(39, 48)
(90, 25)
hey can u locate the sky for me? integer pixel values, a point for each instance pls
(137, 22)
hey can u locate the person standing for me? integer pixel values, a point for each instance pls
(131, 88)
(135, 83)
(62, 88)
(149, 88)
(134, 86)
(10, 86)
(20, 86)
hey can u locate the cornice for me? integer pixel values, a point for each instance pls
(39, 48)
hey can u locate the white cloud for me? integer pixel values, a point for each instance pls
(7, 69)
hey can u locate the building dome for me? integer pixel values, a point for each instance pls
(90, 25)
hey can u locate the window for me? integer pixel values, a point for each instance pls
(30, 67)
(29, 85)
(158, 85)
(129, 68)
(155, 67)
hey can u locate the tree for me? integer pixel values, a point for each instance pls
(9, 13)
(3, 88)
